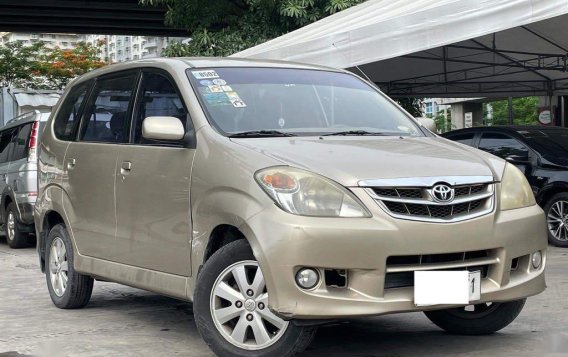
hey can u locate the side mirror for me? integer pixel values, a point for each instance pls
(518, 159)
(428, 123)
(162, 128)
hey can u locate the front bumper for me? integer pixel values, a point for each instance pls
(283, 243)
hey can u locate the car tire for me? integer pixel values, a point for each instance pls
(556, 210)
(237, 256)
(14, 236)
(68, 288)
(481, 319)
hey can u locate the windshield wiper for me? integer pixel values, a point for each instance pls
(355, 133)
(259, 134)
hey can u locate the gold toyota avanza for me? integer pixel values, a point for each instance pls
(277, 196)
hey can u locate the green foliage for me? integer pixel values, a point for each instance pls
(223, 27)
(525, 111)
(412, 105)
(443, 123)
(18, 63)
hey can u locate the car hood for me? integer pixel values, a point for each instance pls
(349, 160)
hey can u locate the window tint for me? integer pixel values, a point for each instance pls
(503, 145)
(21, 142)
(159, 98)
(5, 143)
(106, 115)
(466, 138)
(67, 117)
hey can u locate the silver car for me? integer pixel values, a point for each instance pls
(18, 175)
(277, 196)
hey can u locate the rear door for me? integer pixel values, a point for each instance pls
(91, 161)
(152, 186)
(6, 146)
(21, 175)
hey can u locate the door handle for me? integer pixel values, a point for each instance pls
(125, 167)
(70, 164)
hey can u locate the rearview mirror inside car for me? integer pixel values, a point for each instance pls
(162, 128)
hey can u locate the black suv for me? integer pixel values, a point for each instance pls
(542, 154)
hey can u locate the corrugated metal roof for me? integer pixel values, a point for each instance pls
(37, 99)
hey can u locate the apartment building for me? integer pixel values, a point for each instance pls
(51, 40)
(126, 48)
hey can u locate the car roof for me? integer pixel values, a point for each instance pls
(25, 118)
(199, 62)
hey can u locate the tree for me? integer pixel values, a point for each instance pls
(57, 66)
(19, 63)
(443, 123)
(525, 111)
(412, 105)
(223, 27)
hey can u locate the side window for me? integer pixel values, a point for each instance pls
(105, 117)
(159, 97)
(503, 146)
(21, 142)
(68, 115)
(466, 138)
(5, 140)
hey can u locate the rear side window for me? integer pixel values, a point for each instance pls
(466, 138)
(21, 142)
(106, 115)
(68, 116)
(502, 145)
(5, 141)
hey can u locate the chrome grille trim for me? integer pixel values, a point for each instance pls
(427, 181)
(475, 197)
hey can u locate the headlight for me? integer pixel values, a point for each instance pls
(515, 189)
(303, 193)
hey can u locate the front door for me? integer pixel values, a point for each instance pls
(90, 166)
(153, 186)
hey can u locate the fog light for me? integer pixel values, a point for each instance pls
(536, 260)
(307, 278)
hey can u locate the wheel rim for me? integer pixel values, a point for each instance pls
(58, 266)
(558, 220)
(475, 311)
(239, 308)
(11, 225)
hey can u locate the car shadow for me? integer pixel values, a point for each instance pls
(386, 336)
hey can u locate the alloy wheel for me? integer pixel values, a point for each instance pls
(58, 266)
(558, 220)
(239, 308)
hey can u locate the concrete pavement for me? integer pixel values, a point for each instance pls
(122, 321)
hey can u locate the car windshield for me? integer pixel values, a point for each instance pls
(249, 102)
(549, 142)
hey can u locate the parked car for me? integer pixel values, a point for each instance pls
(18, 175)
(276, 197)
(541, 153)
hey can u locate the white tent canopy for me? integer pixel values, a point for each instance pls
(441, 48)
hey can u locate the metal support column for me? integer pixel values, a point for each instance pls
(510, 110)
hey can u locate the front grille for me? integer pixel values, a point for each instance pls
(400, 268)
(406, 278)
(419, 203)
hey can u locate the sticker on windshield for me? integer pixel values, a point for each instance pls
(215, 89)
(226, 88)
(281, 122)
(207, 74)
(219, 82)
(216, 99)
(206, 82)
(236, 101)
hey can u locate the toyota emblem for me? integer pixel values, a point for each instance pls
(443, 193)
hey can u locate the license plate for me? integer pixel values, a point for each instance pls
(446, 287)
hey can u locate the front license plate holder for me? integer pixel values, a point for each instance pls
(446, 287)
